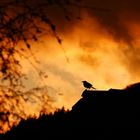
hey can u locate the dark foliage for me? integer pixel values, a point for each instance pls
(112, 114)
(24, 21)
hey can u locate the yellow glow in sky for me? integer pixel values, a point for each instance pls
(93, 55)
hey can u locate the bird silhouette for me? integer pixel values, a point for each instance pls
(88, 85)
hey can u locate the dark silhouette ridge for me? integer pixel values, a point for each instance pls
(113, 108)
(112, 114)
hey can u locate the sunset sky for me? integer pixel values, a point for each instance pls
(102, 47)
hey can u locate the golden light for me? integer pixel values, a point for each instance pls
(93, 54)
(89, 51)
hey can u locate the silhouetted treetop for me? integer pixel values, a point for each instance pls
(94, 114)
(24, 22)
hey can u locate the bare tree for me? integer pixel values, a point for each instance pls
(25, 21)
(22, 21)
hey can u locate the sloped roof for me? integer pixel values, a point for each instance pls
(109, 107)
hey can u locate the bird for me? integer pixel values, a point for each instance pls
(88, 85)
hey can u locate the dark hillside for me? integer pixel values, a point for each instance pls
(98, 114)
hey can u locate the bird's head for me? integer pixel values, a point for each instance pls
(83, 81)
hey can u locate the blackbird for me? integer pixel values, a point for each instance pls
(88, 85)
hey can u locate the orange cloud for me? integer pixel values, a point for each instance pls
(102, 48)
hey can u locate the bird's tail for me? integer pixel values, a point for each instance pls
(93, 87)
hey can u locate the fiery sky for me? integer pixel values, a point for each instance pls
(102, 48)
